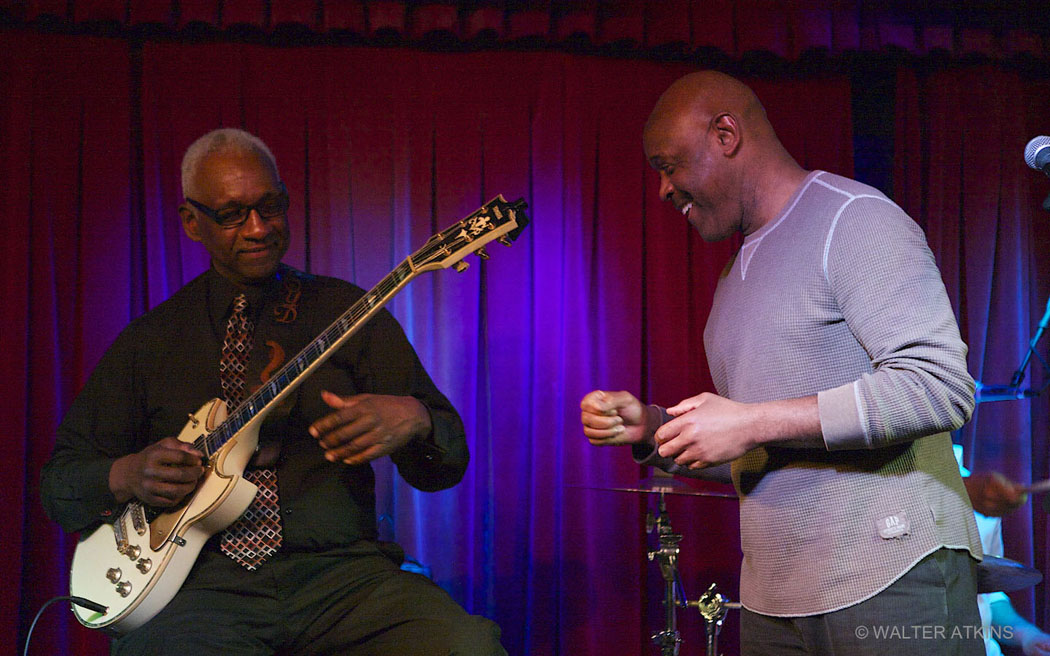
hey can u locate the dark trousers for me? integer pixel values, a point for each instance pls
(357, 601)
(930, 611)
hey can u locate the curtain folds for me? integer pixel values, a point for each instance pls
(960, 172)
(382, 147)
(733, 27)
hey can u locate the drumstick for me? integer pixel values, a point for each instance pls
(1041, 486)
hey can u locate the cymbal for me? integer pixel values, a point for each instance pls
(667, 485)
(996, 574)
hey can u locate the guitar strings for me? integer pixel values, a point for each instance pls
(404, 272)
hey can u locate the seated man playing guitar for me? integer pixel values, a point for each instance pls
(301, 571)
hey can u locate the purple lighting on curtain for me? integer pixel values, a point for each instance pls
(606, 288)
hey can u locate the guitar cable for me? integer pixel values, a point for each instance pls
(79, 601)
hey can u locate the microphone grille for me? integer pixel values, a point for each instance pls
(1032, 150)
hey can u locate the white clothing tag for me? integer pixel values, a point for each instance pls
(893, 526)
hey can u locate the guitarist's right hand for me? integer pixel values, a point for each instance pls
(162, 474)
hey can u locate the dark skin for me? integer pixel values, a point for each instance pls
(360, 429)
(993, 494)
(368, 426)
(722, 166)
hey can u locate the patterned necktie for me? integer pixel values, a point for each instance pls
(257, 534)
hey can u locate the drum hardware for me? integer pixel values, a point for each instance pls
(712, 604)
(669, 639)
(667, 485)
(1041, 486)
(996, 574)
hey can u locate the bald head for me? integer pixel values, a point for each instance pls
(720, 161)
(697, 99)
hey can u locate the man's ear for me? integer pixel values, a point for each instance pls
(190, 223)
(727, 131)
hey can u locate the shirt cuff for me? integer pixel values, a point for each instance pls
(840, 421)
(644, 454)
(430, 447)
(95, 478)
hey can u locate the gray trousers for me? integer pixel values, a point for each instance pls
(357, 601)
(930, 611)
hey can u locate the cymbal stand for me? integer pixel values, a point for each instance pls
(712, 604)
(669, 639)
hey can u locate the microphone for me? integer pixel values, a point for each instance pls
(988, 393)
(1037, 154)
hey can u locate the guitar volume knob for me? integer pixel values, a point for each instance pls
(124, 588)
(113, 574)
(144, 565)
(133, 551)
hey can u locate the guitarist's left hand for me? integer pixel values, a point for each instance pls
(368, 426)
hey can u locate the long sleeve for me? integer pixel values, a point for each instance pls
(886, 283)
(98, 428)
(840, 298)
(387, 364)
(165, 365)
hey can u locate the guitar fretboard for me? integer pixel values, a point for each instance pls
(287, 377)
(495, 219)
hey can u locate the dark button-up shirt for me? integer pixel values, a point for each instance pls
(164, 366)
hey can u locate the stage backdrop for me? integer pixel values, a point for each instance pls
(960, 171)
(380, 148)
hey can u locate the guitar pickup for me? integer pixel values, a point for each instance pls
(119, 534)
(138, 518)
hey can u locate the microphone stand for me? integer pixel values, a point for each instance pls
(1014, 391)
(1019, 374)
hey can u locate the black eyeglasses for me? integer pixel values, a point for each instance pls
(268, 207)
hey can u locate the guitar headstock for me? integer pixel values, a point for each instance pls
(496, 220)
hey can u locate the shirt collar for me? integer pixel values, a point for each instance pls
(222, 292)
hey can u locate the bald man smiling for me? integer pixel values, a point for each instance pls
(839, 372)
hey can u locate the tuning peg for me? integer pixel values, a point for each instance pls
(482, 253)
(460, 266)
(504, 239)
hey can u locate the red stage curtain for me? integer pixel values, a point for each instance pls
(380, 148)
(66, 118)
(960, 172)
(1000, 31)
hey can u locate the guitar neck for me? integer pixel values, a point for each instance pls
(284, 381)
(496, 220)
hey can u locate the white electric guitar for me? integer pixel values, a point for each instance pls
(135, 565)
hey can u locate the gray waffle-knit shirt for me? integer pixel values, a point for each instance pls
(840, 296)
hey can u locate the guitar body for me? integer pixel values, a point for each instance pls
(135, 566)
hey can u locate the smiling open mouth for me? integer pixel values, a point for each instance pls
(257, 252)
